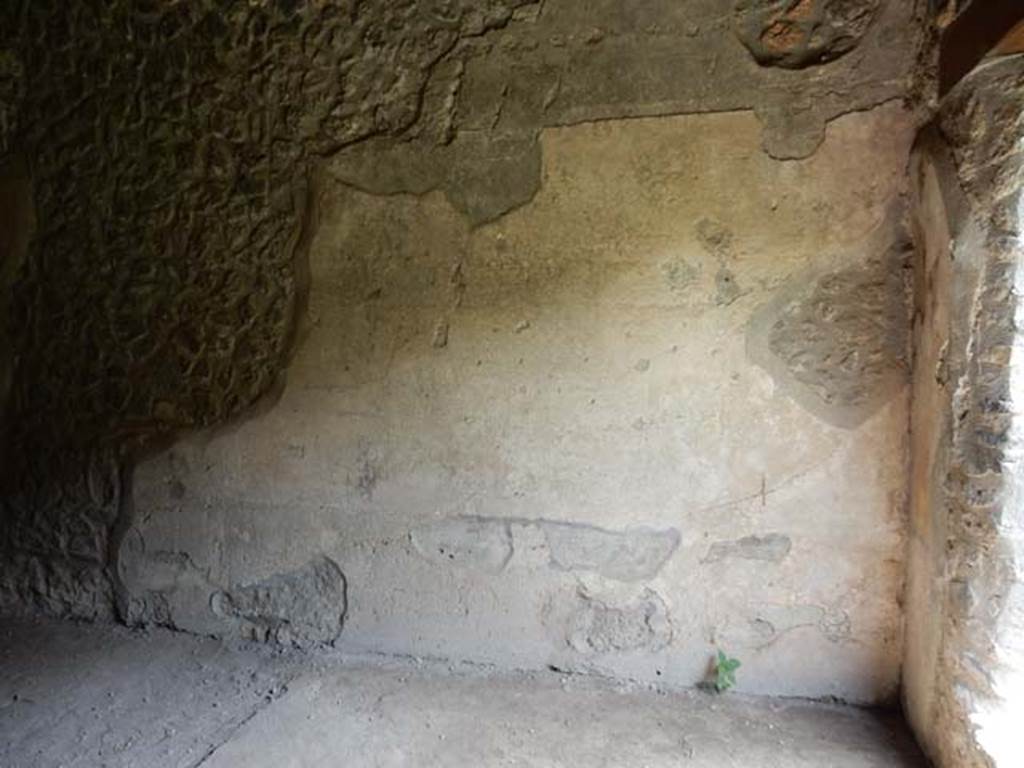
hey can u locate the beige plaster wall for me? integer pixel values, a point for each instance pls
(658, 409)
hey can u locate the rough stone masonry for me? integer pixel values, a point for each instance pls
(964, 661)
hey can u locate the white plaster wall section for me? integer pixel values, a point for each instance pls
(544, 482)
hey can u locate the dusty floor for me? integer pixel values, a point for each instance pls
(76, 696)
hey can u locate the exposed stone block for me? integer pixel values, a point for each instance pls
(303, 608)
(614, 625)
(799, 33)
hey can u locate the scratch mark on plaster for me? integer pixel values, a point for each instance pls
(762, 494)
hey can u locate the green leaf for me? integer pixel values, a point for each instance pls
(725, 672)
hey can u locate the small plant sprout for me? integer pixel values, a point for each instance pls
(725, 672)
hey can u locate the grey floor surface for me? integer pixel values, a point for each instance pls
(73, 696)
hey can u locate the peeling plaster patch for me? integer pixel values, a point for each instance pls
(484, 545)
(833, 623)
(766, 624)
(716, 239)
(679, 274)
(631, 555)
(302, 608)
(726, 288)
(161, 587)
(604, 624)
(791, 131)
(369, 472)
(845, 337)
(794, 34)
(762, 631)
(483, 177)
(771, 548)
(492, 176)
(440, 339)
(488, 544)
(838, 344)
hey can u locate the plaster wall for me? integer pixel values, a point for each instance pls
(656, 410)
(527, 333)
(172, 153)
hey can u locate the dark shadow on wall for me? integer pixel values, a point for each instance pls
(170, 151)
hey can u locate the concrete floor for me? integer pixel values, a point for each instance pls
(76, 696)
